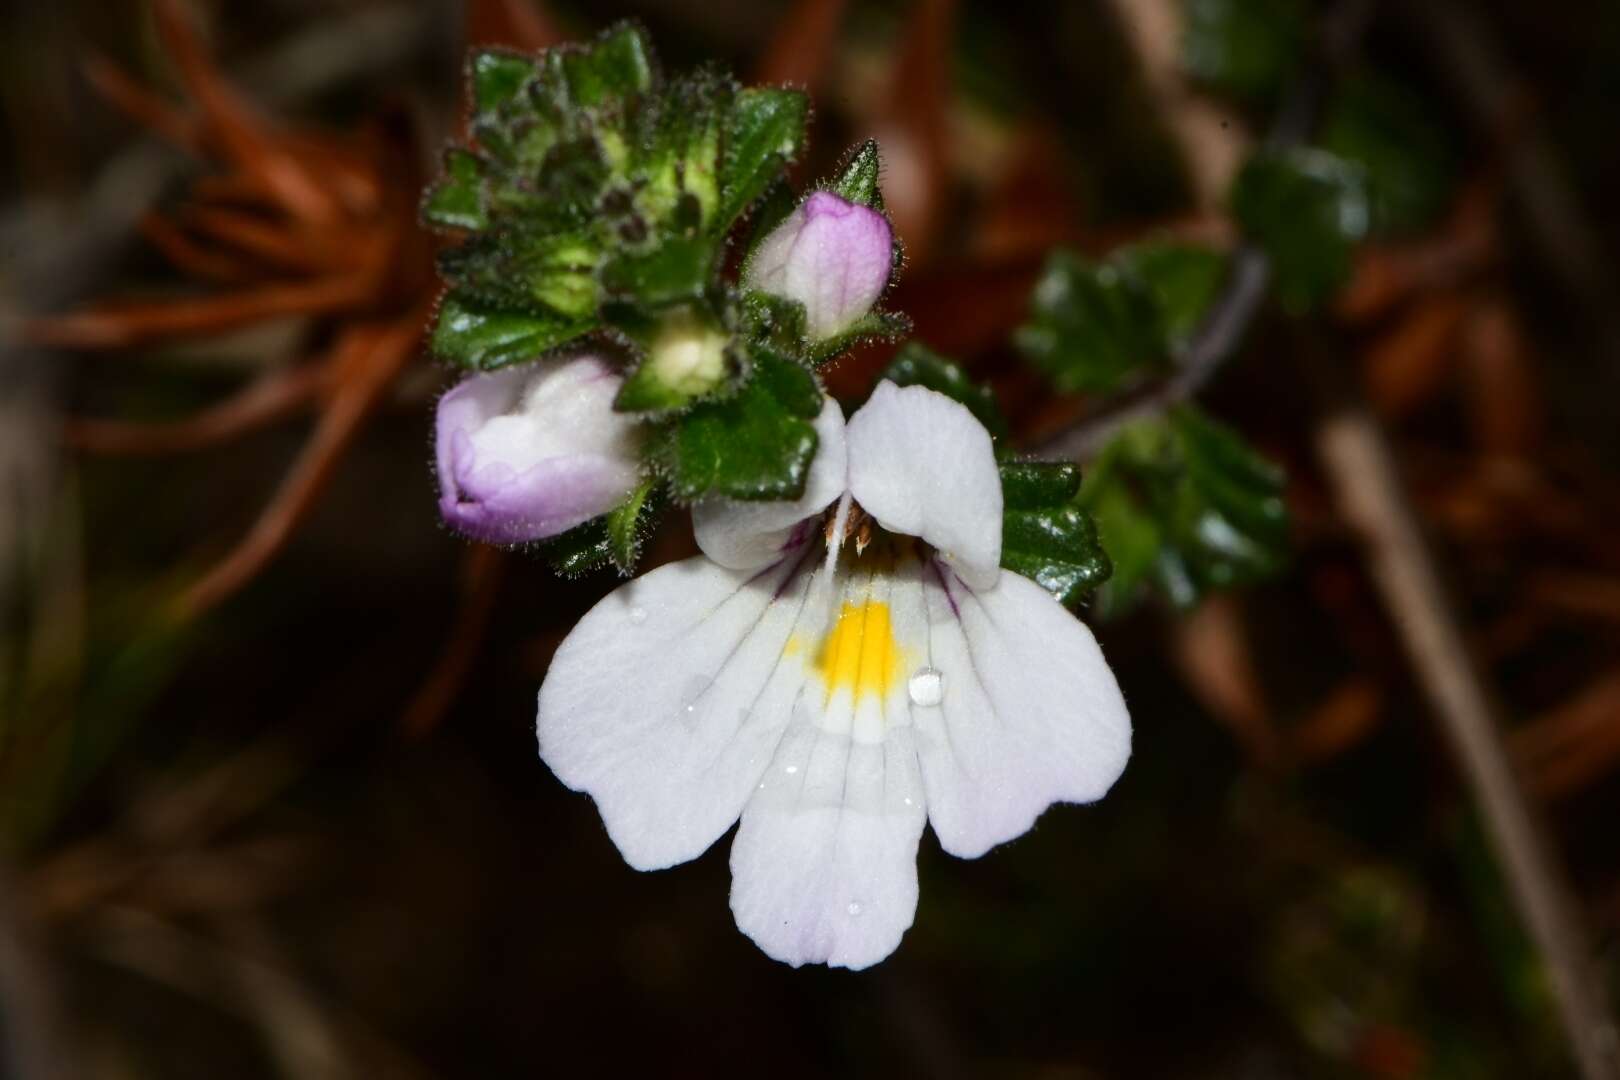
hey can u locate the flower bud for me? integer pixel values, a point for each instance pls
(531, 451)
(831, 255)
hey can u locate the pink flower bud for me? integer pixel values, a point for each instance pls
(831, 255)
(531, 451)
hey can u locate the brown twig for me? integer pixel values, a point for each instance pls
(262, 402)
(484, 568)
(1361, 467)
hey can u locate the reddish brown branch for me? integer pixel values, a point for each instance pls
(263, 402)
(483, 569)
(364, 365)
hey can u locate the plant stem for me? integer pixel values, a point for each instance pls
(1361, 468)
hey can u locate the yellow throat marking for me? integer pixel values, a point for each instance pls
(861, 654)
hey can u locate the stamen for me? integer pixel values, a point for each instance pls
(836, 531)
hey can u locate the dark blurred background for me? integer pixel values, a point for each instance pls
(269, 801)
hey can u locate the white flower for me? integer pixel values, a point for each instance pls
(834, 696)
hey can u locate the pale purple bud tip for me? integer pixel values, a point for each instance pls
(831, 255)
(531, 451)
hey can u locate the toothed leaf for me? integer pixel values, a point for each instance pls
(1046, 535)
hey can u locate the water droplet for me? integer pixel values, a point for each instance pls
(908, 802)
(927, 687)
(791, 769)
(854, 907)
(693, 693)
(638, 615)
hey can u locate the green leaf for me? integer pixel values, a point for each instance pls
(918, 365)
(1046, 535)
(678, 270)
(617, 64)
(497, 77)
(1250, 49)
(1409, 158)
(1090, 325)
(1184, 281)
(524, 271)
(755, 445)
(484, 339)
(457, 200)
(1307, 209)
(1185, 504)
(765, 133)
(857, 178)
(1133, 539)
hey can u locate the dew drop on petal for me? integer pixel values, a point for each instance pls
(694, 690)
(926, 688)
(854, 907)
(791, 769)
(638, 615)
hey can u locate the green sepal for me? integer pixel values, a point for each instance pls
(873, 326)
(776, 321)
(765, 133)
(580, 550)
(918, 365)
(613, 539)
(1090, 324)
(857, 178)
(629, 524)
(483, 339)
(457, 200)
(1307, 209)
(755, 445)
(1046, 535)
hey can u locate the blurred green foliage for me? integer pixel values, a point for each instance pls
(1185, 505)
(1093, 325)
(1308, 209)
(1405, 154)
(1250, 49)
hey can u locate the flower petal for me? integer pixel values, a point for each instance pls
(533, 450)
(1028, 711)
(921, 464)
(824, 865)
(666, 701)
(746, 535)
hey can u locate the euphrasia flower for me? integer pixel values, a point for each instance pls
(834, 671)
(531, 451)
(831, 255)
